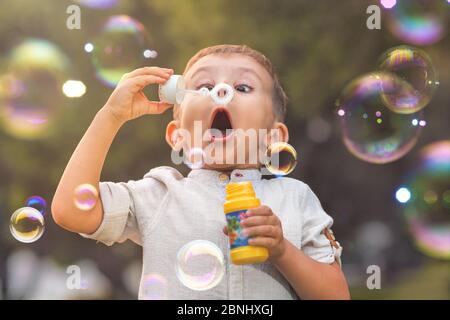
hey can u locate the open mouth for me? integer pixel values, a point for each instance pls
(221, 127)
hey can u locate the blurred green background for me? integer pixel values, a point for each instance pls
(317, 48)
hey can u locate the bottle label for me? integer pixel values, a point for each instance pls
(235, 235)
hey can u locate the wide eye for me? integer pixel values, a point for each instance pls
(243, 88)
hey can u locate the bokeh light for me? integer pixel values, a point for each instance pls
(200, 265)
(121, 46)
(33, 67)
(38, 203)
(281, 158)
(403, 195)
(74, 88)
(371, 131)
(154, 287)
(428, 211)
(27, 224)
(88, 47)
(413, 66)
(418, 22)
(85, 197)
(318, 130)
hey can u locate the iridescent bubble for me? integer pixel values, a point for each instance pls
(418, 22)
(415, 68)
(38, 203)
(98, 4)
(371, 131)
(27, 224)
(281, 158)
(154, 287)
(388, 4)
(195, 158)
(200, 265)
(122, 46)
(428, 210)
(85, 197)
(30, 89)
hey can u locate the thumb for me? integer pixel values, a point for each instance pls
(156, 107)
(225, 230)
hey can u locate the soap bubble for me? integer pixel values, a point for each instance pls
(195, 158)
(428, 210)
(27, 225)
(370, 131)
(388, 4)
(200, 265)
(30, 88)
(121, 47)
(281, 158)
(418, 22)
(85, 197)
(98, 4)
(413, 66)
(38, 203)
(154, 287)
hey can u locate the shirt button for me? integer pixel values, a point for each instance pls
(223, 177)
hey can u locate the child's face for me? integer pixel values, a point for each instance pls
(250, 110)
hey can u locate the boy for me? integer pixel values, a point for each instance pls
(165, 210)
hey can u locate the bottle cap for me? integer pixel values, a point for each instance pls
(168, 91)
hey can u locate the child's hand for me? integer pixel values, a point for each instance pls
(128, 102)
(264, 229)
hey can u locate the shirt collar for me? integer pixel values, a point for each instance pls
(214, 176)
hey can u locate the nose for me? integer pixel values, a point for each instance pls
(222, 93)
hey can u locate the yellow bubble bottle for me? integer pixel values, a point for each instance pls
(240, 197)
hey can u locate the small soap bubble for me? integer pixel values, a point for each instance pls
(195, 158)
(38, 203)
(85, 197)
(281, 158)
(98, 4)
(420, 80)
(121, 46)
(200, 265)
(27, 225)
(418, 22)
(371, 131)
(154, 287)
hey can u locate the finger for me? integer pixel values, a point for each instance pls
(259, 220)
(155, 71)
(262, 231)
(140, 82)
(260, 211)
(263, 242)
(156, 107)
(225, 230)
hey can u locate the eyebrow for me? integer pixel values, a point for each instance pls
(245, 70)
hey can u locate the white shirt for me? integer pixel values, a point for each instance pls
(164, 211)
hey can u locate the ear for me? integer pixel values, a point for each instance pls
(173, 138)
(278, 133)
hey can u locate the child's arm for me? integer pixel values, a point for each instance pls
(127, 102)
(311, 279)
